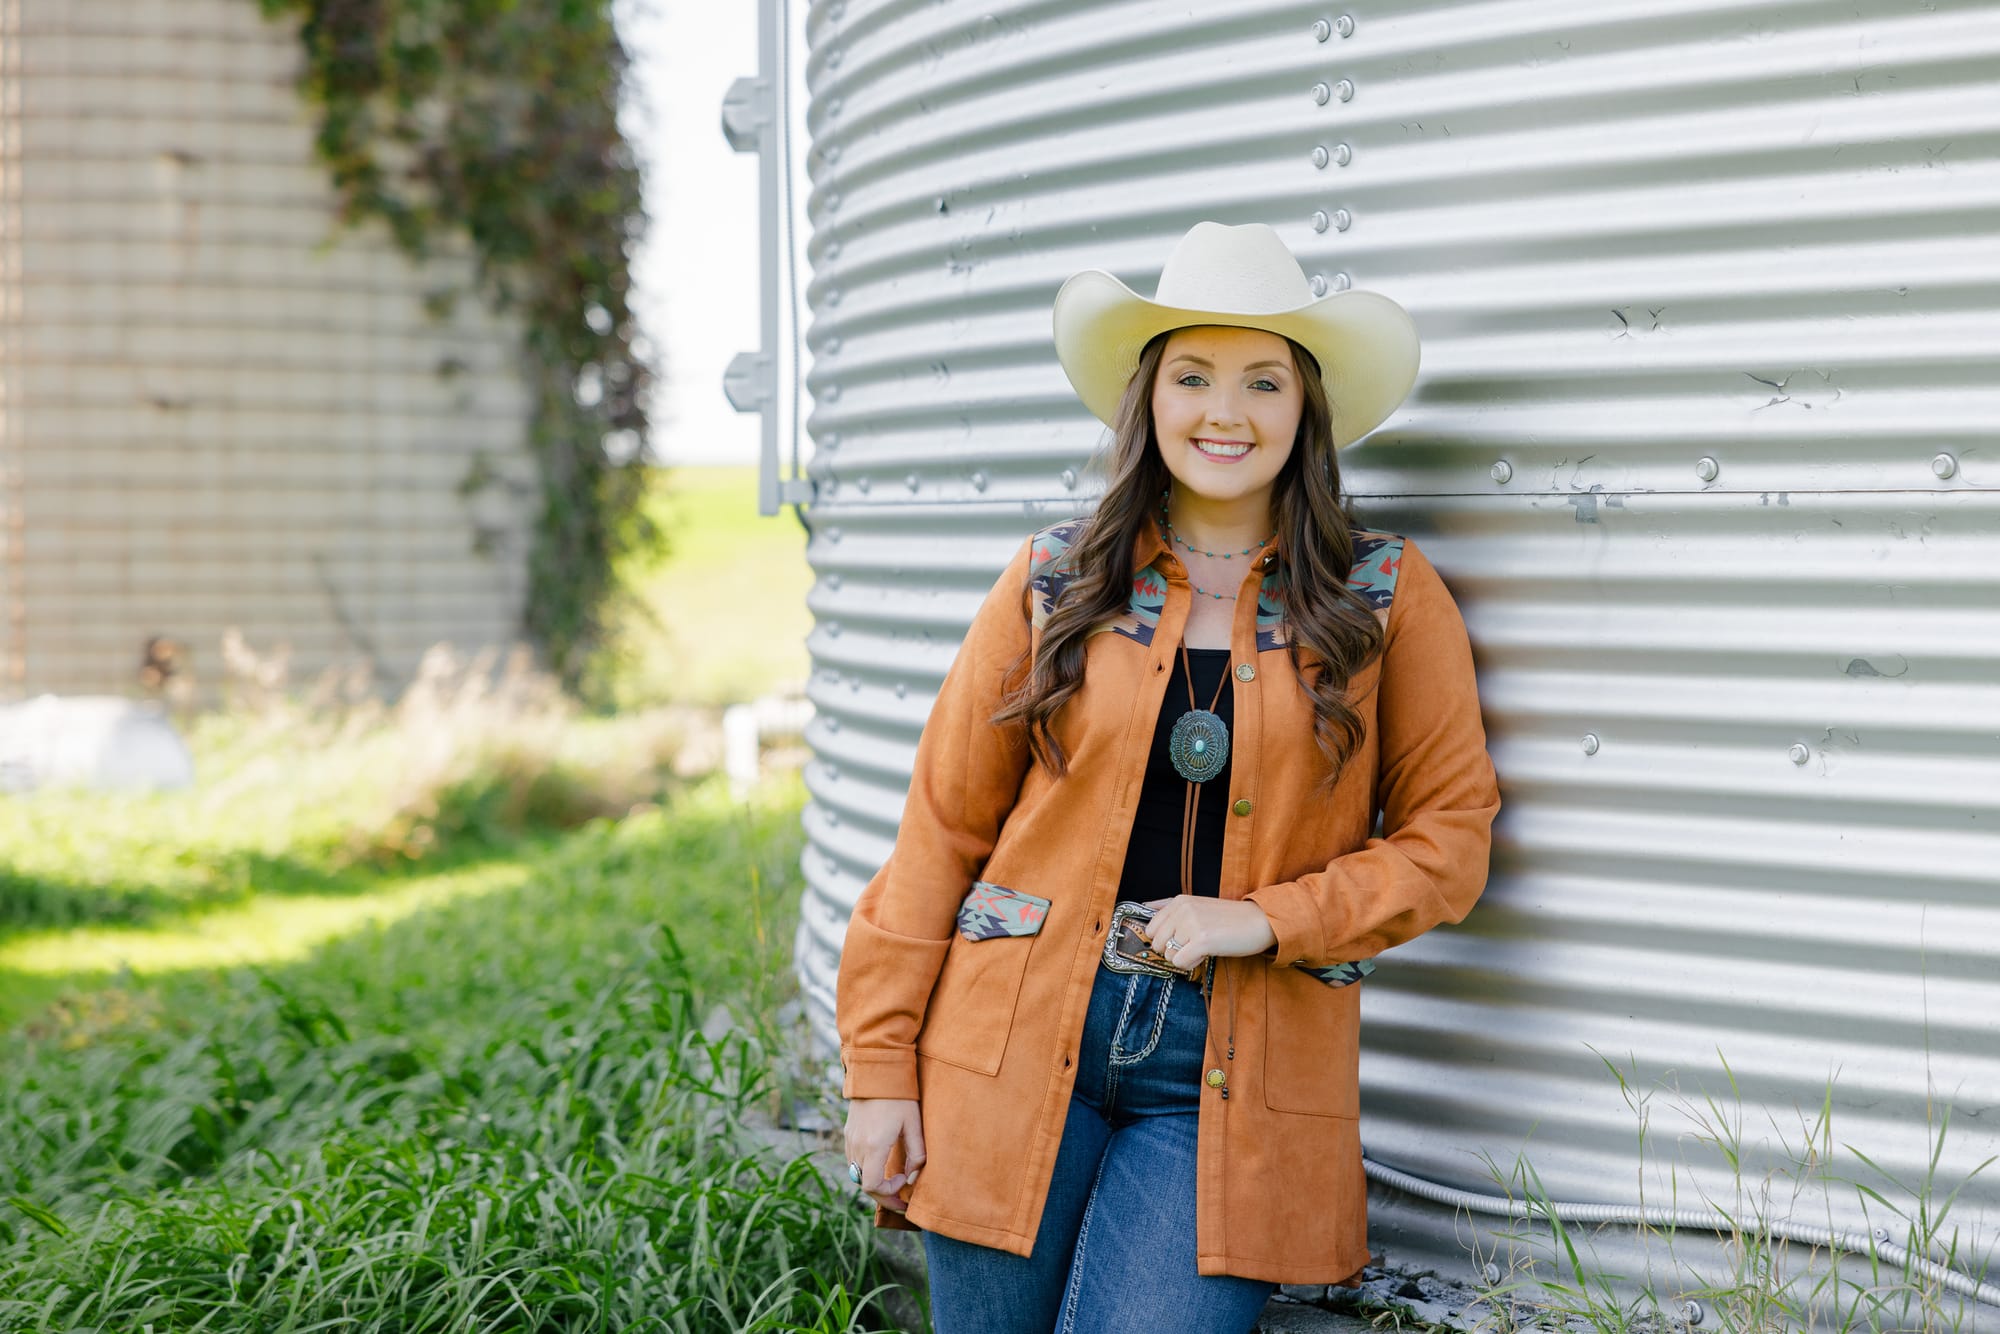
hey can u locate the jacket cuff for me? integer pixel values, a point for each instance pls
(875, 1072)
(1295, 921)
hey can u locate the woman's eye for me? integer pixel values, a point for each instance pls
(1273, 386)
(1189, 376)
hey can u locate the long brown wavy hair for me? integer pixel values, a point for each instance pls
(1315, 554)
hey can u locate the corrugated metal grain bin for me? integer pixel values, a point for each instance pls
(216, 407)
(1704, 444)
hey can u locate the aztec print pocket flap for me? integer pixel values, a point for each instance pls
(994, 910)
(1340, 974)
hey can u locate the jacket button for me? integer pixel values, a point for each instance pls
(1215, 1078)
(1246, 672)
(1242, 806)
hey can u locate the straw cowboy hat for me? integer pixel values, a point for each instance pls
(1241, 275)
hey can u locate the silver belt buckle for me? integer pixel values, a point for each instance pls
(1122, 917)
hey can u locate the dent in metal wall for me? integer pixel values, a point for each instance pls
(1703, 443)
(210, 421)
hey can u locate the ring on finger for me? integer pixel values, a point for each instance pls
(854, 1171)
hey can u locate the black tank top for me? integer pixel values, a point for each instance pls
(1153, 857)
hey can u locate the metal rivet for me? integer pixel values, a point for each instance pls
(833, 628)
(1341, 282)
(1242, 806)
(833, 343)
(833, 152)
(1706, 468)
(833, 200)
(1881, 1235)
(837, 10)
(1944, 465)
(1246, 672)
(1492, 1272)
(833, 296)
(832, 725)
(1069, 479)
(1344, 25)
(833, 250)
(1322, 30)
(910, 480)
(902, 690)
(1320, 155)
(1321, 93)
(833, 106)
(832, 440)
(863, 484)
(833, 58)
(979, 481)
(1215, 1078)
(830, 393)
(833, 579)
(1342, 219)
(1346, 90)
(1692, 1312)
(1343, 154)
(1319, 284)
(1319, 219)
(1799, 752)
(1502, 471)
(833, 533)
(1590, 743)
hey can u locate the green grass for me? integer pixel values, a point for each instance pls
(727, 606)
(498, 1111)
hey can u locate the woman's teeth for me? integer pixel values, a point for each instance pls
(1221, 451)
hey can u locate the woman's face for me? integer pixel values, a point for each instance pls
(1226, 406)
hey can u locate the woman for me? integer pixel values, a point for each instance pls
(1194, 701)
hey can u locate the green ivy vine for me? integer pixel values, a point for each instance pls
(500, 117)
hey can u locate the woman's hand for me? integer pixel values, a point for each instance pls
(1206, 927)
(874, 1125)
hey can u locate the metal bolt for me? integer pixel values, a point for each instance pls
(1319, 219)
(1502, 471)
(1944, 465)
(1322, 30)
(1692, 1312)
(1881, 1235)
(833, 581)
(833, 343)
(1343, 154)
(1322, 93)
(833, 200)
(1799, 752)
(1342, 219)
(1319, 284)
(833, 296)
(1706, 468)
(833, 152)
(833, 250)
(1069, 479)
(979, 481)
(832, 725)
(1320, 156)
(830, 393)
(833, 58)
(1346, 90)
(831, 442)
(863, 484)
(1590, 743)
(910, 480)
(1492, 1272)
(1344, 25)
(1341, 282)
(833, 628)
(833, 106)
(833, 533)
(836, 10)
(901, 690)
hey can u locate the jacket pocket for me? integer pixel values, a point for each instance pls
(1312, 1045)
(994, 910)
(1339, 974)
(971, 1009)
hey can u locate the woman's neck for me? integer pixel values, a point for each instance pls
(1219, 525)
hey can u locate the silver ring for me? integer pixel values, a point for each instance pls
(1171, 945)
(854, 1171)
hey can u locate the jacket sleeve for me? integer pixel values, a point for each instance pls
(1437, 789)
(964, 781)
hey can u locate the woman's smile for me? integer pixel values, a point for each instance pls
(1221, 451)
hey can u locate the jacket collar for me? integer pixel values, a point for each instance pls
(1150, 544)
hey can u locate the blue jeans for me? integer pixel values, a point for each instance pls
(1115, 1251)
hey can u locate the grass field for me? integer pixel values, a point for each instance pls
(457, 1016)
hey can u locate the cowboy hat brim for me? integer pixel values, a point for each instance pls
(1366, 345)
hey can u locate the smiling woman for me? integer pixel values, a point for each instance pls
(1098, 1135)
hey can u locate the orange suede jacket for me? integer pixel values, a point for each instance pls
(984, 1031)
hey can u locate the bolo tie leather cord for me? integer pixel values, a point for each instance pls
(1188, 811)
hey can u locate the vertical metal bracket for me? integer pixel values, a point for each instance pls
(754, 121)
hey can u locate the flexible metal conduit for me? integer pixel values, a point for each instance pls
(1708, 1220)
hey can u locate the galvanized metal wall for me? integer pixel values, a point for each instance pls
(209, 419)
(1704, 443)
